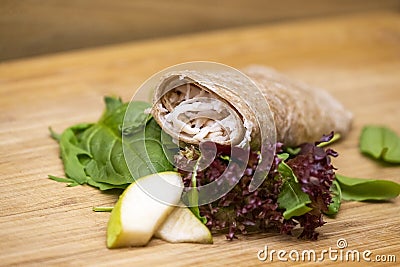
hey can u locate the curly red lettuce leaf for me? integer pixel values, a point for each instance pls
(240, 211)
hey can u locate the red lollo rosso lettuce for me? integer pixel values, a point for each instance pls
(312, 166)
(241, 212)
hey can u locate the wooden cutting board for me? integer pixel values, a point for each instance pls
(355, 57)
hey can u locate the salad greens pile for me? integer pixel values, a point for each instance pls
(93, 154)
(300, 187)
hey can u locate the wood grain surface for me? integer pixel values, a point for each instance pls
(44, 223)
(28, 28)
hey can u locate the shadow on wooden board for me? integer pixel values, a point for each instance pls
(29, 28)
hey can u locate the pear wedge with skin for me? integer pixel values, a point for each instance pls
(142, 208)
(182, 226)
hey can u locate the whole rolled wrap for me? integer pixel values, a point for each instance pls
(222, 107)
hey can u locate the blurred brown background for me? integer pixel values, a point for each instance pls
(33, 27)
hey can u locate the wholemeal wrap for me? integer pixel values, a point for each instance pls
(220, 106)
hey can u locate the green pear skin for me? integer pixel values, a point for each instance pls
(139, 213)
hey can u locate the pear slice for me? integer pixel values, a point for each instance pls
(183, 226)
(142, 208)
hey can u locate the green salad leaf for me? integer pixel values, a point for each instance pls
(380, 143)
(291, 198)
(360, 189)
(194, 195)
(336, 137)
(336, 194)
(285, 169)
(93, 153)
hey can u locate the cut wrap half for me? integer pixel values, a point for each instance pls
(195, 106)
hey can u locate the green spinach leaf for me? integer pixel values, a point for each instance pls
(285, 169)
(359, 189)
(94, 153)
(380, 143)
(192, 196)
(336, 194)
(291, 198)
(71, 152)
